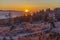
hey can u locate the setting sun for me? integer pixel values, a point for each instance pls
(26, 10)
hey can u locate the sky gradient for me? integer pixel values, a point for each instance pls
(32, 5)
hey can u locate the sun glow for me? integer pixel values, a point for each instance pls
(26, 10)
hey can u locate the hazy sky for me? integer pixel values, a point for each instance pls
(29, 4)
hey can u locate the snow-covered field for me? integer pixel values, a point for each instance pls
(5, 14)
(37, 28)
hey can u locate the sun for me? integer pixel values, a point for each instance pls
(26, 10)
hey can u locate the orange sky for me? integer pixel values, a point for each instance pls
(32, 5)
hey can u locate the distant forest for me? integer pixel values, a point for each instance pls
(41, 15)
